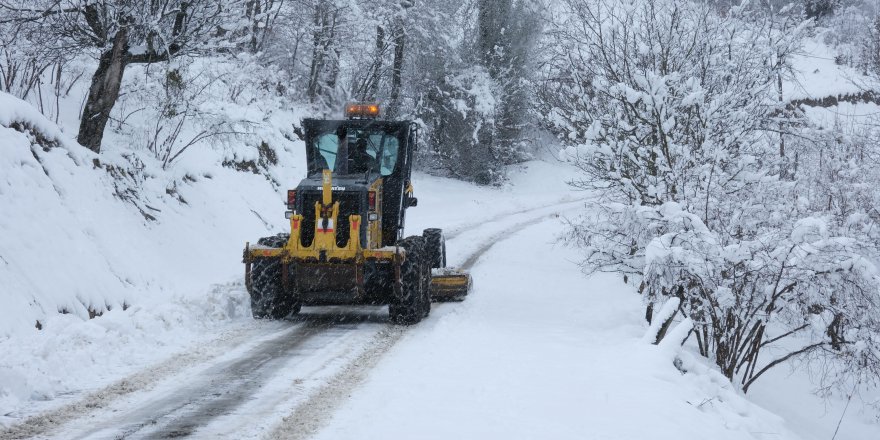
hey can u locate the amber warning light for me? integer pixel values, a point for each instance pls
(361, 110)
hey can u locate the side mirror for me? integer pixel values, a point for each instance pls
(298, 131)
(413, 202)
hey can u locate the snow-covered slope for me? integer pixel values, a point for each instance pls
(817, 75)
(70, 244)
(54, 203)
(116, 235)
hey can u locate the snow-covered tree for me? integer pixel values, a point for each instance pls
(122, 33)
(476, 101)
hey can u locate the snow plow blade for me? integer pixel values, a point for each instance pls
(450, 285)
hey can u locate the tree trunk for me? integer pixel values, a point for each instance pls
(377, 65)
(492, 43)
(333, 76)
(103, 93)
(253, 11)
(396, 69)
(318, 53)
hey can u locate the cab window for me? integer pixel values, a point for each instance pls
(385, 149)
(368, 148)
(327, 145)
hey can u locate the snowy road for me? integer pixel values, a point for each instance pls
(541, 352)
(244, 384)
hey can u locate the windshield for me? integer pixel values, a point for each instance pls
(366, 149)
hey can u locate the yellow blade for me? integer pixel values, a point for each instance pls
(448, 284)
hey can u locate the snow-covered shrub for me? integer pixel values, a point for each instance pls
(659, 92)
(708, 190)
(807, 291)
(198, 103)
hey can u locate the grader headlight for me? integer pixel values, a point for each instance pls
(371, 198)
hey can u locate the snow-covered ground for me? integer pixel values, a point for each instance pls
(538, 351)
(817, 74)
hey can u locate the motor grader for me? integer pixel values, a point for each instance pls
(346, 244)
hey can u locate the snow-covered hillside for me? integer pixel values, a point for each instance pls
(83, 235)
(86, 234)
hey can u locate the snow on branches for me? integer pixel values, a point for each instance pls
(709, 188)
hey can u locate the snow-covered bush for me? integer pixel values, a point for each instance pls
(708, 186)
(199, 103)
(659, 92)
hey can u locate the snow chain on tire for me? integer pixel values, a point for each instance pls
(414, 302)
(268, 298)
(435, 247)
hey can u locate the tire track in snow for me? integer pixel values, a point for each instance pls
(144, 380)
(228, 385)
(220, 389)
(499, 237)
(309, 417)
(455, 231)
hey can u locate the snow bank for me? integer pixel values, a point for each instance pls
(15, 111)
(150, 250)
(46, 234)
(69, 244)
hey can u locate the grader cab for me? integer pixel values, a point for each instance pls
(346, 243)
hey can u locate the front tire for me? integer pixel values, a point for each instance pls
(268, 297)
(414, 302)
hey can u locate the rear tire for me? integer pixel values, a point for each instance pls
(435, 247)
(414, 302)
(268, 298)
(426, 291)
